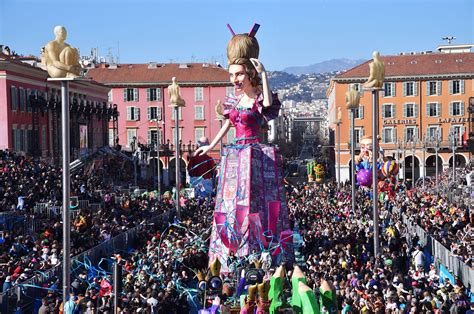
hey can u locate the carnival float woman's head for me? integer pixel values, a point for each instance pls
(240, 49)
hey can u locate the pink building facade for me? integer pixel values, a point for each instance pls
(30, 115)
(140, 92)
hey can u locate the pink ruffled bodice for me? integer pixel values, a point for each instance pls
(248, 121)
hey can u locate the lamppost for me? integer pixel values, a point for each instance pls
(436, 143)
(399, 144)
(338, 130)
(374, 84)
(176, 102)
(133, 145)
(453, 143)
(158, 162)
(404, 146)
(425, 145)
(413, 147)
(352, 104)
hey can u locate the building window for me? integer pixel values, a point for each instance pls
(131, 138)
(357, 87)
(153, 135)
(231, 135)
(433, 109)
(410, 110)
(389, 89)
(229, 90)
(130, 94)
(388, 135)
(173, 113)
(173, 132)
(358, 135)
(456, 87)
(456, 108)
(411, 134)
(14, 98)
(433, 132)
(133, 114)
(198, 133)
(433, 88)
(198, 112)
(388, 111)
(198, 93)
(153, 94)
(410, 89)
(111, 138)
(458, 131)
(154, 113)
(22, 99)
(359, 113)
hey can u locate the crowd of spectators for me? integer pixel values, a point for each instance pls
(338, 246)
(159, 274)
(37, 246)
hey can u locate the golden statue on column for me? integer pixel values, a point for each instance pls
(59, 58)
(175, 97)
(377, 72)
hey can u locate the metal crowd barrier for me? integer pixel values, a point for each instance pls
(441, 254)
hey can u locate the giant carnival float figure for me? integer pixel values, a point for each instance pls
(250, 212)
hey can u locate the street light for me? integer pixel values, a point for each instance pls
(176, 102)
(413, 147)
(338, 124)
(425, 145)
(352, 104)
(453, 143)
(404, 145)
(158, 163)
(399, 144)
(436, 142)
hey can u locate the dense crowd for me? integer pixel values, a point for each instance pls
(159, 274)
(338, 245)
(31, 251)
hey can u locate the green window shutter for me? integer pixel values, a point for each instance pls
(405, 87)
(439, 86)
(415, 88)
(415, 110)
(405, 114)
(137, 115)
(461, 104)
(148, 112)
(461, 83)
(427, 84)
(394, 93)
(148, 92)
(450, 87)
(124, 94)
(450, 108)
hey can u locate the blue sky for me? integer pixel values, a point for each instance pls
(293, 32)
